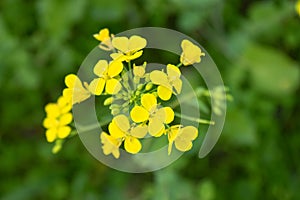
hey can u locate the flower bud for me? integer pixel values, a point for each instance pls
(108, 101)
(140, 87)
(149, 86)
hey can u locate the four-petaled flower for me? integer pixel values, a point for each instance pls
(150, 111)
(105, 39)
(190, 53)
(110, 145)
(129, 48)
(106, 73)
(182, 137)
(121, 129)
(75, 91)
(57, 120)
(166, 82)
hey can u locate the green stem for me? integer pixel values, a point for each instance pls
(198, 120)
(179, 65)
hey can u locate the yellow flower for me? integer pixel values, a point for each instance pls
(190, 53)
(105, 39)
(129, 48)
(57, 120)
(102, 35)
(106, 73)
(120, 128)
(167, 81)
(182, 137)
(297, 6)
(149, 111)
(110, 145)
(75, 91)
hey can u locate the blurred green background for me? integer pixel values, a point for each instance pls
(255, 44)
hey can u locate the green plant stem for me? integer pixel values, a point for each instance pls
(198, 120)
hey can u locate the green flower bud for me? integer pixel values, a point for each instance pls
(115, 111)
(108, 101)
(149, 86)
(140, 87)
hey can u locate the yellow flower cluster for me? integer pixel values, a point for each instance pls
(135, 97)
(58, 119)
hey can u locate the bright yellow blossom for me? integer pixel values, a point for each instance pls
(190, 53)
(149, 111)
(57, 120)
(110, 145)
(167, 81)
(75, 91)
(105, 39)
(106, 73)
(182, 137)
(120, 128)
(129, 48)
(297, 6)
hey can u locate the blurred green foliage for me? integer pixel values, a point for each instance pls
(256, 45)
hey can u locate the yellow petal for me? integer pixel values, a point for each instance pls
(132, 145)
(115, 68)
(96, 86)
(155, 127)
(184, 138)
(51, 135)
(118, 56)
(122, 122)
(115, 131)
(160, 78)
(63, 132)
(120, 43)
(177, 84)
(50, 122)
(52, 110)
(169, 114)
(183, 145)
(110, 145)
(100, 68)
(148, 101)
(189, 132)
(164, 93)
(136, 43)
(139, 131)
(160, 115)
(65, 119)
(173, 71)
(139, 114)
(133, 56)
(102, 35)
(113, 86)
(70, 80)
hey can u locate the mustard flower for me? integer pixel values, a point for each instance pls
(75, 91)
(128, 48)
(57, 120)
(167, 81)
(182, 137)
(190, 53)
(120, 128)
(110, 145)
(106, 73)
(104, 37)
(149, 111)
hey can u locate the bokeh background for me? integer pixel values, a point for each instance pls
(255, 44)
